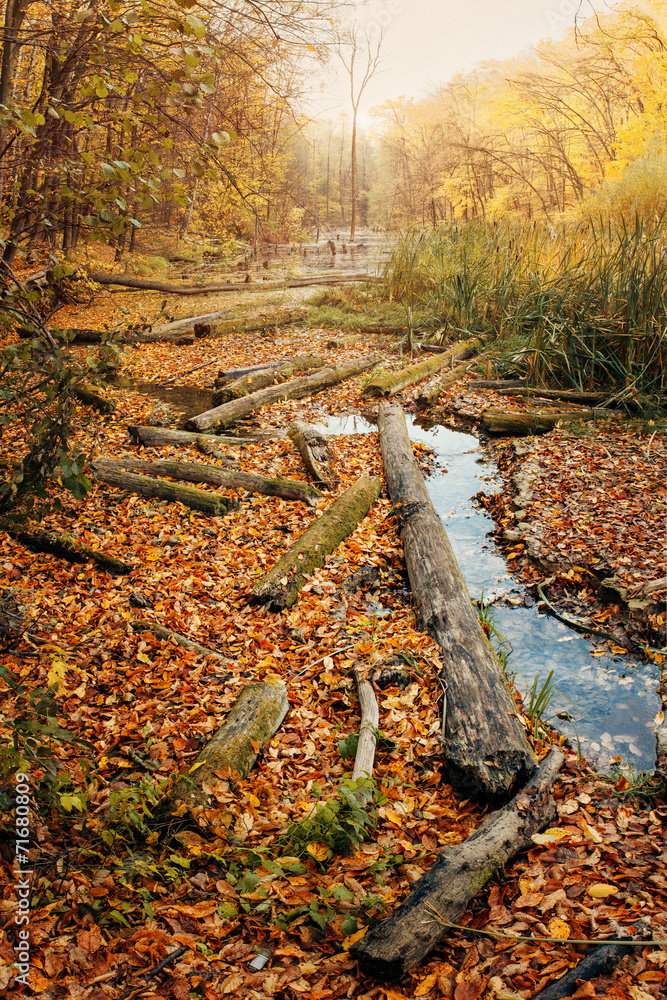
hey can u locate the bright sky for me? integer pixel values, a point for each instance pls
(428, 41)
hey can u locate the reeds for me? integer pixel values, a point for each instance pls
(584, 307)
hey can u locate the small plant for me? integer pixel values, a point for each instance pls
(131, 807)
(337, 825)
(639, 787)
(502, 646)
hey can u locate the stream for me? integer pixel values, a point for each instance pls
(612, 700)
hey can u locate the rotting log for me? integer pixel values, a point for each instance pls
(390, 949)
(560, 395)
(179, 324)
(64, 546)
(169, 288)
(599, 962)
(254, 719)
(161, 489)
(368, 728)
(297, 388)
(280, 587)
(497, 383)
(225, 376)
(142, 625)
(485, 745)
(206, 448)
(506, 424)
(195, 472)
(158, 437)
(386, 384)
(246, 384)
(270, 321)
(315, 452)
(86, 395)
(436, 386)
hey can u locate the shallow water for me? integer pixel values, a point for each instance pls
(612, 699)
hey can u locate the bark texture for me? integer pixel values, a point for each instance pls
(65, 547)
(298, 388)
(315, 452)
(486, 748)
(368, 728)
(158, 437)
(194, 472)
(505, 424)
(160, 489)
(395, 946)
(252, 382)
(254, 719)
(386, 384)
(280, 587)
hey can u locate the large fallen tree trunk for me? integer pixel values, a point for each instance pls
(506, 424)
(387, 384)
(147, 284)
(280, 587)
(142, 625)
(436, 386)
(160, 489)
(390, 949)
(253, 720)
(65, 547)
(158, 437)
(194, 472)
(486, 748)
(224, 377)
(254, 381)
(297, 388)
(315, 453)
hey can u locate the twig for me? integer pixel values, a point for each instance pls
(333, 652)
(136, 990)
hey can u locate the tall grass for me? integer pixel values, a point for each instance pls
(584, 307)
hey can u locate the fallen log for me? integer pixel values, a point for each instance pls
(390, 949)
(141, 625)
(386, 384)
(225, 376)
(194, 472)
(161, 489)
(280, 587)
(179, 324)
(485, 745)
(271, 321)
(254, 719)
(368, 729)
(89, 397)
(158, 437)
(561, 395)
(497, 383)
(315, 452)
(307, 385)
(506, 424)
(65, 546)
(436, 386)
(252, 382)
(599, 962)
(122, 280)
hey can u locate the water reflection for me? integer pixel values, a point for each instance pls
(614, 696)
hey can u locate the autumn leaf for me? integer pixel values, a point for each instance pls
(559, 929)
(549, 836)
(318, 850)
(601, 890)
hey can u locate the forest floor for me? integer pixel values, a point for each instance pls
(110, 902)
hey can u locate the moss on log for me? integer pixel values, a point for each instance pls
(141, 625)
(506, 424)
(253, 720)
(390, 949)
(89, 397)
(269, 322)
(280, 587)
(315, 452)
(161, 489)
(65, 546)
(436, 386)
(194, 472)
(298, 388)
(158, 437)
(485, 745)
(386, 384)
(252, 382)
